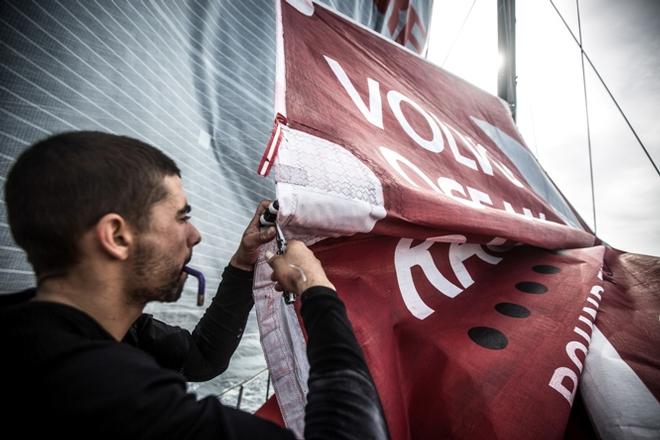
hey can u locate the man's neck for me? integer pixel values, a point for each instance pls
(102, 301)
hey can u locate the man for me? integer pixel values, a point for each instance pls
(105, 224)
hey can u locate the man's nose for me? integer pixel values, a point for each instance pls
(194, 237)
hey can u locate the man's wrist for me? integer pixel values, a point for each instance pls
(317, 292)
(303, 285)
(238, 264)
(235, 272)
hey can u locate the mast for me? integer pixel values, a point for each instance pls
(506, 45)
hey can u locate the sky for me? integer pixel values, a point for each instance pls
(623, 41)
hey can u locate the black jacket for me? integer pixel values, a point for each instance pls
(63, 375)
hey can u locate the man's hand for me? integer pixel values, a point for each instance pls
(298, 269)
(253, 237)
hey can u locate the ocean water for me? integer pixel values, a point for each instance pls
(247, 363)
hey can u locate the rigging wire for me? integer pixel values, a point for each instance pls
(458, 34)
(606, 88)
(586, 111)
(241, 386)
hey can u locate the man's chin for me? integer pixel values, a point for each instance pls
(173, 294)
(166, 294)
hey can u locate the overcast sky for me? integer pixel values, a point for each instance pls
(622, 38)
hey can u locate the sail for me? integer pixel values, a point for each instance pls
(473, 286)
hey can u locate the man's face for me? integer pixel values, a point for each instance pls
(163, 248)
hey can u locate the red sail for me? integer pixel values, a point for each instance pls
(472, 284)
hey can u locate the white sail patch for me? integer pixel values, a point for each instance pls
(323, 187)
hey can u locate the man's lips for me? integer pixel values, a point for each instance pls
(187, 261)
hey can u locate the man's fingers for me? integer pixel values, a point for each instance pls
(266, 234)
(279, 265)
(261, 207)
(252, 240)
(264, 204)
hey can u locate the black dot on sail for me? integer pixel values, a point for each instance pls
(512, 310)
(531, 287)
(488, 337)
(546, 268)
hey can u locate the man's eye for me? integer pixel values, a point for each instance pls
(185, 218)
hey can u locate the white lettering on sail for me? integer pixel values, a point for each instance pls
(454, 148)
(527, 213)
(373, 113)
(407, 256)
(458, 253)
(435, 144)
(464, 194)
(557, 381)
(479, 198)
(395, 160)
(452, 188)
(508, 174)
(481, 154)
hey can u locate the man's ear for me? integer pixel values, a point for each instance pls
(115, 236)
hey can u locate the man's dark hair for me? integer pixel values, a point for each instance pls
(61, 186)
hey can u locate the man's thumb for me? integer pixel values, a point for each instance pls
(274, 260)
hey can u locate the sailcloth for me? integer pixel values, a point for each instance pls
(473, 286)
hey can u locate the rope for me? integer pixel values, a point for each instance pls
(458, 34)
(607, 89)
(586, 111)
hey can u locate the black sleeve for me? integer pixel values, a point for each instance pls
(342, 402)
(130, 396)
(206, 352)
(219, 331)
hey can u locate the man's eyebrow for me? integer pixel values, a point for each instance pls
(185, 210)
